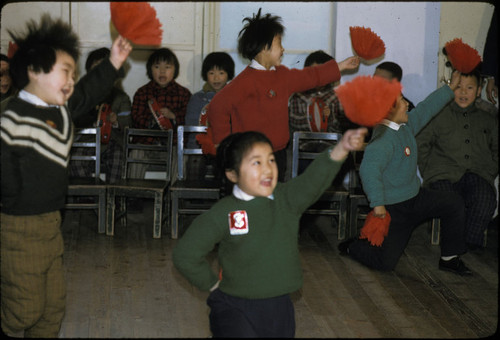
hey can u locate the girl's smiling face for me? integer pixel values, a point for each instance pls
(163, 72)
(467, 91)
(258, 174)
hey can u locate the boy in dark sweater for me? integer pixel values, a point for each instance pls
(36, 138)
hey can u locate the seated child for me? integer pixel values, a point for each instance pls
(389, 176)
(161, 103)
(36, 138)
(257, 99)
(258, 252)
(458, 151)
(118, 118)
(217, 70)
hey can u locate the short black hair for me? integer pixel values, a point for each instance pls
(37, 48)
(221, 60)
(96, 55)
(395, 69)
(162, 54)
(318, 57)
(258, 34)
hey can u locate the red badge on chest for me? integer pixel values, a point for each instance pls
(238, 222)
(407, 151)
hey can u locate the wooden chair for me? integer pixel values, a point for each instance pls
(358, 206)
(158, 155)
(334, 197)
(88, 192)
(184, 191)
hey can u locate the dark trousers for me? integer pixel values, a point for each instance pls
(233, 317)
(405, 217)
(480, 202)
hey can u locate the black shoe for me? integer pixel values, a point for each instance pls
(343, 247)
(455, 265)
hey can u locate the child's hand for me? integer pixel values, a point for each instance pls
(120, 50)
(379, 211)
(167, 113)
(349, 64)
(352, 140)
(113, 117)
(455, 80)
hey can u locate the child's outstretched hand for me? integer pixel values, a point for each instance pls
(350, 63)
(120, 50)
(352, 140)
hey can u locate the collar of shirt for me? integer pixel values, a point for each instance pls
(240, 194)
(392, 125)
(32, 99)
(255, 64)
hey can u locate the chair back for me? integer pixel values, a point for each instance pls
(183, 150)
(299, 138)
(156, 156)
(89, 142)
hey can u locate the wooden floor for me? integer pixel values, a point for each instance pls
(126, 286)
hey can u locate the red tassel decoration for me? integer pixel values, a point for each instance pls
(375, 229)
(12, 49)
(366, 43)
(206, 142)
(367, 100)
(137, 22)
(463, 57)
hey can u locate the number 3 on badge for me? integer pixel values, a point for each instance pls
(238, 222)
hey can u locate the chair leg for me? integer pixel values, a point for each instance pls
(435, 231)
(101, 213)
(342, 219)
(110, 212)
(353, 217)
(174, 215)
(158, 206)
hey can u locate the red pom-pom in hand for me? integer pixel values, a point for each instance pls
(137, 22)
(367, 100)
(366, 43)
(463, 57)
(375, 229)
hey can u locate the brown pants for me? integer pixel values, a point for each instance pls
(33, 290)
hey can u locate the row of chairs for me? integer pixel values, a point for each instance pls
(171, 192)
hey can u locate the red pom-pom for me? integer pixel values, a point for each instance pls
(367, 100)
(375, 228)
(137, 22)
(366, 43)
(206, 142)
(463, 57)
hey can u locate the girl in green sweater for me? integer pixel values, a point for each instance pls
(256, 229)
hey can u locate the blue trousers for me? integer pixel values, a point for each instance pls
(405, 217)
(480, 202)
(233, 317)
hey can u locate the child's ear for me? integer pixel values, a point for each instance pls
(478, 94)
(232, 176)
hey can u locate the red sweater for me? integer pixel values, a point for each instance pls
(257, 100)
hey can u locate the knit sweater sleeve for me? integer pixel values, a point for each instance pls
(92, 89)
(428, 108)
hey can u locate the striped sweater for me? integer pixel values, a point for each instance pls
(36, 143)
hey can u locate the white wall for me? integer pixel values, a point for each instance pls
(410, 31)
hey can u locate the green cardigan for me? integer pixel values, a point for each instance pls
(264, 261)
(456, 141)
(388, 170)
